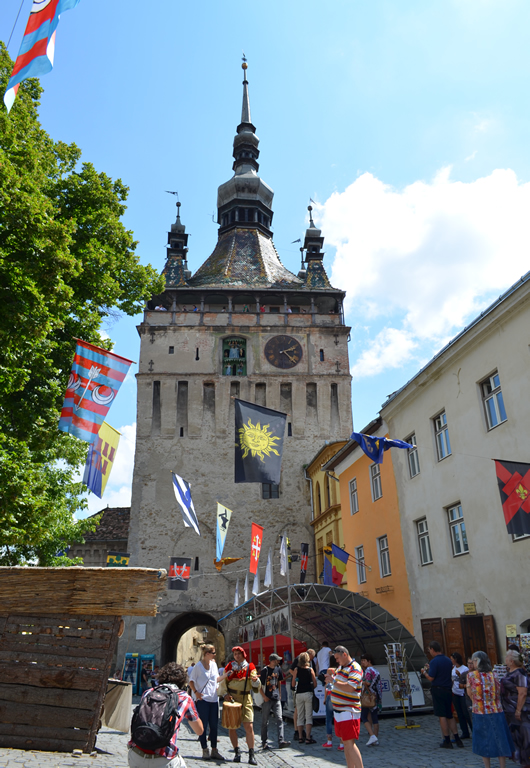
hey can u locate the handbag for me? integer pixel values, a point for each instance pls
(316, 703)
(368, 699)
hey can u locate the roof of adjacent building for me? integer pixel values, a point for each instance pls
(113, 526)
(502, 298)
(244, 257)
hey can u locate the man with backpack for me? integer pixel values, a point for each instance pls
(157, 718)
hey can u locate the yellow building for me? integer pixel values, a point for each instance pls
(371, 526)
(325, 504)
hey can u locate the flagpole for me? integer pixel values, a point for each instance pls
(289, 604)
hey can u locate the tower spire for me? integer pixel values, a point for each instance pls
(245, 109)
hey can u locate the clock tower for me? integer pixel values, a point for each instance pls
(243, 326)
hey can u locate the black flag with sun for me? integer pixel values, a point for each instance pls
(259, 443)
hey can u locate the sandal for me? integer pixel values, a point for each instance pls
(301, 741)
(310, 741)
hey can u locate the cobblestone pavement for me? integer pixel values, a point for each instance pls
(414, 748)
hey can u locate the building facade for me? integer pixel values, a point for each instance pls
(467, 407)
(242, 326)
(325, 505)
(111, 535)
(371, 526)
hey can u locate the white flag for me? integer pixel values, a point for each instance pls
(255, 586)
(236, 596)
(283, 556)
(246, 588)
(183, 496)
(268, 571)
(223, 519)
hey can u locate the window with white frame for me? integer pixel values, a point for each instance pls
(413, 457)
(361, 567)
(457, 529)
(443, 446)
(384, 556)
(517, 536)
(375, 476)
(354, 499)
(493, 400)
(424, 542)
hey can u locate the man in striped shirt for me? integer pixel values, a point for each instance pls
(346, 700)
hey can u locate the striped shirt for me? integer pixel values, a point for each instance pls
(187, 710)
(344, 700)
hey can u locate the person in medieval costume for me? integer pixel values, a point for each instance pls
(240, 678)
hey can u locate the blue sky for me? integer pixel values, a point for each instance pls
(406, 120)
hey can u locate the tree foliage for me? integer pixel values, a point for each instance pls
(66, 262)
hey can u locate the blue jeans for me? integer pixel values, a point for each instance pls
(208, 711)
(329, 716)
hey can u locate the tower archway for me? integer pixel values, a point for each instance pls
(181, 624)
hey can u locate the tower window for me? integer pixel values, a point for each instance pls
(197, 353)
(289, 429)
(196, 568)
(270, 491)
(321, 355)
(172, 350)
(234, 357)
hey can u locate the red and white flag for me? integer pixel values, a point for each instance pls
(255, 547)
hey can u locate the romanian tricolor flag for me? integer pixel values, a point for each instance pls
(94, 382)
(339, 560)
(37, 50)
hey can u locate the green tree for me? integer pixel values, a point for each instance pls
(66, 263)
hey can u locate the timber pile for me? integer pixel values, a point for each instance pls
(78, 591)
(58, 633)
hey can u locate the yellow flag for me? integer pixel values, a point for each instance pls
(100, 459)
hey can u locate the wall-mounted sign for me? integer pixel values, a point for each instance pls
(140, 631)
(511, 630)
(470, 609)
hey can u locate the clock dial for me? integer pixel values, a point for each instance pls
(283, 351)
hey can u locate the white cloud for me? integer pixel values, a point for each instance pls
(419, 262)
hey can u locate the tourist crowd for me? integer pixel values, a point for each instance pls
(499, 723)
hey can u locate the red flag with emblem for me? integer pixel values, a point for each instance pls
(255, 547)
(514, 487)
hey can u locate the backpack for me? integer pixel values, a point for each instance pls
(155, 718)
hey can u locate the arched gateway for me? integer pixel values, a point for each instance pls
(177, 627)
(326, 613)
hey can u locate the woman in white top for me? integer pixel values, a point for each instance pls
(203, 684)
(459, 701)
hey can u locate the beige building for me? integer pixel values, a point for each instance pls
(469, 578)
(325, 504)
(245, 327)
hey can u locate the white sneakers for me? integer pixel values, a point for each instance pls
(372, 741)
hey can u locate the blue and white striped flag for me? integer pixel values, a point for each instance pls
(183, 496)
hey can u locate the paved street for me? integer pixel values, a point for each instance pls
(416, 748)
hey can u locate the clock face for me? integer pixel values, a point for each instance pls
(283, 351)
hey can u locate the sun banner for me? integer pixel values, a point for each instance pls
(255, 549)
(258, 443)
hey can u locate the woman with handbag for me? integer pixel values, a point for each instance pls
(304, 683)
(203, 684)
(371, 697)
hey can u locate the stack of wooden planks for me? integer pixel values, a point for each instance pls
(56, 655)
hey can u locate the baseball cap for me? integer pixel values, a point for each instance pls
(275, 657)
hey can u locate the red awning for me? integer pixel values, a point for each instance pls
(260, 653)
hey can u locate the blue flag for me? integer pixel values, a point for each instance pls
(183, 496)
(223, 519)
(374, 447)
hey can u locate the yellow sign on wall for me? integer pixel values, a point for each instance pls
(511, 630)
(470, 609)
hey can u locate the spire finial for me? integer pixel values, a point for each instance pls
(311, 222)
(178, 210)
(245, 111)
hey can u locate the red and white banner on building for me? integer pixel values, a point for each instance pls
(255, 547)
